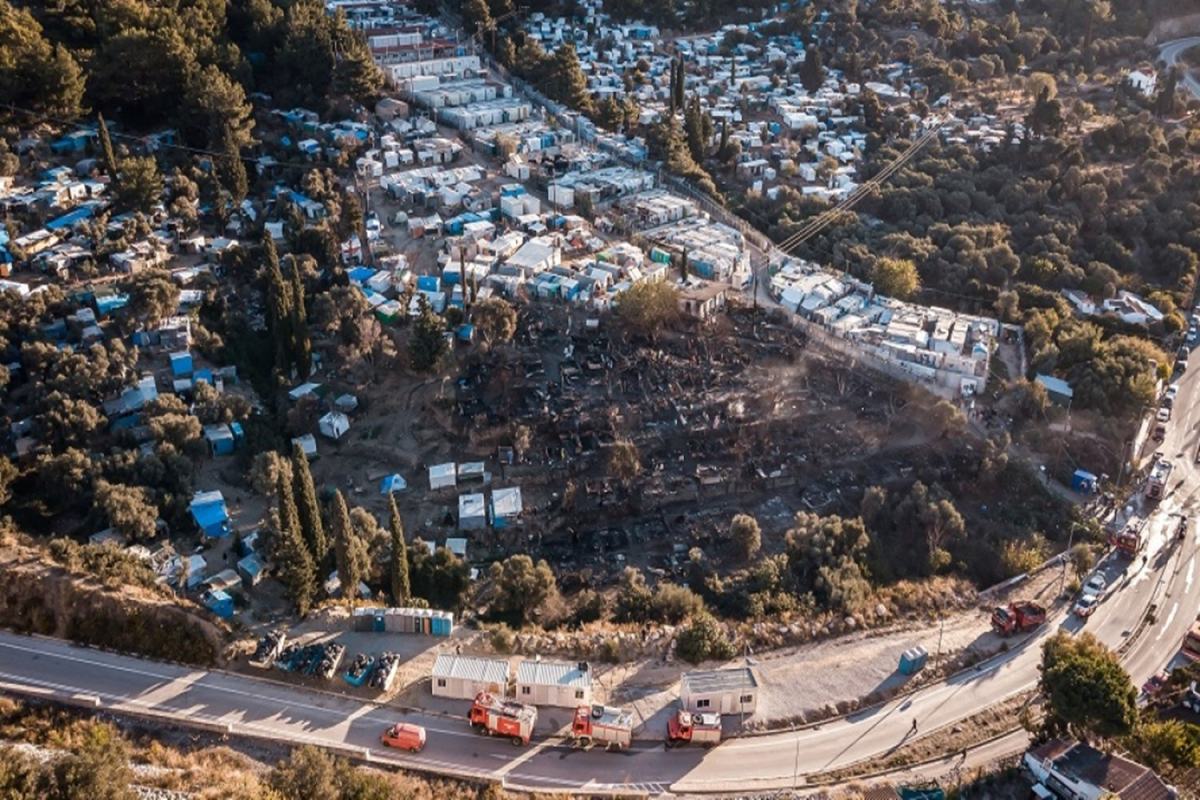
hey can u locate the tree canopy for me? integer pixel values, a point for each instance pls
(1087, 691)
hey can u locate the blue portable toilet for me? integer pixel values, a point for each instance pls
(181, 364)
(219, 602)
(380, 624)
(913, 660)
(1084, 482)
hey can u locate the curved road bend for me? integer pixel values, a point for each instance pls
(1170, 52)
(296, 715)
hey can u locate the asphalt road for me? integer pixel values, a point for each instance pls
(1170, 53)
(245, 705)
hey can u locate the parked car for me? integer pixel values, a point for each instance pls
(404, 736)
(1086, 606)
(1156, 683)
(1191, 336)
(1095, 585)
(1164, 414)
(1172, 390)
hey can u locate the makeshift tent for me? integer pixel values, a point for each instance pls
(393, 483)
(208, 509)
(334, 424)
(441, 475)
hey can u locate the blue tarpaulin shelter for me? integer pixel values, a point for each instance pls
(1084, 482)
(208, 509)
(393, 483)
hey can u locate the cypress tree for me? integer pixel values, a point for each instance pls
(812, 70)
(678, 88)
(291, 553)
(671, 88)
(401, 583)
(723, 150)
(308, 512)
(106, 151)
(348, 549)
(693, 128)
(233, 169)
(300, 346)
(278, 306)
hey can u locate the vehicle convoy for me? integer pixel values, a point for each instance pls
(602, 725)
(404, 736)
(687, 727)
(494, 716)
(1156, 484)
(1018, 617)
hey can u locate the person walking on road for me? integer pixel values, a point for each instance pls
(914, 727)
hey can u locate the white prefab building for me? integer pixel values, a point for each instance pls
(554, 683)
(472, 512)
(442, 476)
(463, 677)
(720, 691)
(334, 424)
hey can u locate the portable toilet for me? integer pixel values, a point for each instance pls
(912, 660)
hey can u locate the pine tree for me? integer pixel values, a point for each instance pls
(106, 152)
(349, 551)
(291, 555)
(683, 265)
(723, 150)
(308, 511)
(233, 169)
(812, 71)
(401, 583)
(427, 346)
(300, 345)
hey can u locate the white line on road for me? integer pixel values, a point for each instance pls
(1187, 581)
(1162, 629)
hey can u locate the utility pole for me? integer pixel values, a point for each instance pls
(796, 763)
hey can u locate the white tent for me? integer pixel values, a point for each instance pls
(334, 424)
(393, 483)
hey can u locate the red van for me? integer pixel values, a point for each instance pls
(405, 736)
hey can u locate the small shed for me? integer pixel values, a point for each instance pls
(208, 509)
(457, 545)
(472, 511)
(463, 677)
(471, 471)
(195, 567)
(346, 404)
(1084, 482)
(334, 425)
(719, 691)
(227, 580)
(442, 476)
(251, 569)
(218, 602)
(223, 439)
(554, 683)
(506, 506)
(181, 364)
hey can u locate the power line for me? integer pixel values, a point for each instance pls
(823, 220)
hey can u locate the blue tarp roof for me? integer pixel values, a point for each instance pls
(208, 509)
(393, 483)
(1056, 385)
(70, 219)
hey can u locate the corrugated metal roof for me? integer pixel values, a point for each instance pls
(482, 670)
(553, 673)
(719, 680)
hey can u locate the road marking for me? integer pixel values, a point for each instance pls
(1162, 629)
(1187, 581)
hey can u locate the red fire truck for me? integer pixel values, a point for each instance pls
(495, 716)
(611, 727)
